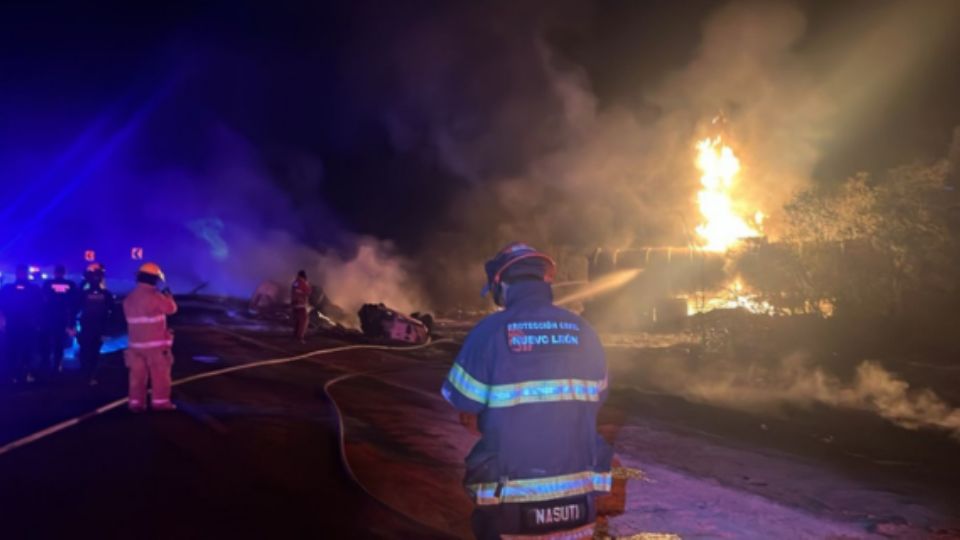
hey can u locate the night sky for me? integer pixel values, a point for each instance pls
(405, 122)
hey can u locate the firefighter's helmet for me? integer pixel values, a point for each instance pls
(516, 260)
(94, 274)
(152, 269)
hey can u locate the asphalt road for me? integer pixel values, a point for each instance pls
(254, 453)
(251, 454)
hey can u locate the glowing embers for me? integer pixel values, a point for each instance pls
(722, 225)
(733, 296)
(736, 295)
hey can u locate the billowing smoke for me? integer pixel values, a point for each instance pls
(228, 225)
(549, 160)
(796, 380)
(374, 274)
(591, 173)
(439, 132)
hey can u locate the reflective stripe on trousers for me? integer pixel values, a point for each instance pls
(146, 320)
(151, 344)
(150, 367)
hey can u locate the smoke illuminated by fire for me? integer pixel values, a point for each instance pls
(722, 226)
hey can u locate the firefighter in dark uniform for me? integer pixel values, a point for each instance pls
(20, 304)
(96, 305)
(59, 316)
(530, 380)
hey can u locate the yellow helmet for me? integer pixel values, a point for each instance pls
(152, 269)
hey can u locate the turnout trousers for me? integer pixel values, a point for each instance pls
(149, 366)
(301, 318)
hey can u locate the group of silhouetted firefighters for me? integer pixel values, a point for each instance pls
(40, 320)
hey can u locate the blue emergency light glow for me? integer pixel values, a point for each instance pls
(210, 230)
(111, 344)
(65, 158)
(103, 153)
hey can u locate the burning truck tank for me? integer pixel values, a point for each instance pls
(672, 282)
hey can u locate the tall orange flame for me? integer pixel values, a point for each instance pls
(721, 227)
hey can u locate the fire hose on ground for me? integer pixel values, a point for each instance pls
(341, 427)
(60, 426)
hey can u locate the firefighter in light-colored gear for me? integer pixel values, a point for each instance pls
(300, 292)
(148, 355)
(530, 380)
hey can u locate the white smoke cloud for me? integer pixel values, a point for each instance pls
(796, 380)
(375, 274)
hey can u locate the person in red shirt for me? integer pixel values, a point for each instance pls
(300, 292)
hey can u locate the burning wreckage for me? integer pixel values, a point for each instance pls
(665, 285)
(658, 286)
(378, 322)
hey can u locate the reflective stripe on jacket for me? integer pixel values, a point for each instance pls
(146, 310)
